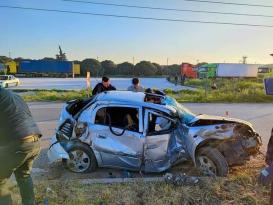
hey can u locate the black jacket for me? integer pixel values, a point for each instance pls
(16, 121)
(99, 88)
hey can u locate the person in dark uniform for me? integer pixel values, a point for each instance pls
(103, 86)
(19, 146)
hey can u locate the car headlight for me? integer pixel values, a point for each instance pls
(81, 129)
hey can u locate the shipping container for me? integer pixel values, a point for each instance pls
(2, 67)
(43, 66)
(237, 70)
(11, 67)
(76, 69)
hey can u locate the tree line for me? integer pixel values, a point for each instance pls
(108, 67)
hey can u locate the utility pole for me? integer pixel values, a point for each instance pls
(167, 62)
(9, 54)
(133, 60)
(244, 59)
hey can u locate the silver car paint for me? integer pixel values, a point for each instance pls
(158, 152)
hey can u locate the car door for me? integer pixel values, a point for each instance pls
(119, 143)
(157, 138)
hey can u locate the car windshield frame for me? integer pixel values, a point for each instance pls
(184, 113)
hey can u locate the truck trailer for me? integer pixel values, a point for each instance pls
(236, 70)
(228, 70)
(48, 68)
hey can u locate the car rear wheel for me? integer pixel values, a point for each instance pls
(81, 159)
(211, 162)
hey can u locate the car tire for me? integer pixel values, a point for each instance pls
(82, 159)
(211, 162)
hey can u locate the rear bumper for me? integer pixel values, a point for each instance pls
(56, 151)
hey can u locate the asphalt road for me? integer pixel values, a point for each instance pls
(47, 114)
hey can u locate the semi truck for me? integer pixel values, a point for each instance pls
(187, 70)
(228, 70)
(48, 68)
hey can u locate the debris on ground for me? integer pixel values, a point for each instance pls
(181, 179)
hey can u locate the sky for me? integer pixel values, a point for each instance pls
(37, 34)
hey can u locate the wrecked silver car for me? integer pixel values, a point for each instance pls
(150, 133)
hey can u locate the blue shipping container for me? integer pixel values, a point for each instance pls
(43, 66)
(2, 67)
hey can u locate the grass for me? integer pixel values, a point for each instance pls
(240, 187)
(228, 90)
(53, 95)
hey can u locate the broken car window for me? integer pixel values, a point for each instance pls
(158, 124)
(120, 117)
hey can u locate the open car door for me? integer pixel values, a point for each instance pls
(158, 130)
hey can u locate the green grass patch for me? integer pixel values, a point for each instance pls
(240, 187)
(228, 91)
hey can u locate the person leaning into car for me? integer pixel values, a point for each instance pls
(103, 86)
(19, 146)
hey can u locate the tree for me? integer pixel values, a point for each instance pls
(172, 69)
(158, 69)
(4, 59)
(125, 68)
(91, 65)
(200, 64)
(109, 67)
(48, 59)
(145, 68)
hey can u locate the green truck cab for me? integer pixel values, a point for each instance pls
(265, 71)
(207, 71)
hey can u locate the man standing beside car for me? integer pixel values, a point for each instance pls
(19, 146)
(136, 87)
(103, 86)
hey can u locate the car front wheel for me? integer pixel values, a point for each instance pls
(211, 162)
(81, 159)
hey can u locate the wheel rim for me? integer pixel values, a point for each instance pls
(207, 166)
(78, 161)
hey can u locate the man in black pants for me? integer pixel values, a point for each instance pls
(19, 146)
(103, 86)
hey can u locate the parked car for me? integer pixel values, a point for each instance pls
(148, 132)
(8, 80)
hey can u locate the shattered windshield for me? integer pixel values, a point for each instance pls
(185, 115)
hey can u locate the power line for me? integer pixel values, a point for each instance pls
(231, 3)
(136, 17)
(167, 9)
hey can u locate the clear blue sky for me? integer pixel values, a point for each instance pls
(32, 34)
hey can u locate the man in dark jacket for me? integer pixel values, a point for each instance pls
(19, 146)
(103, 86)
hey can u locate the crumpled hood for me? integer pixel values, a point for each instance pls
(225, 119)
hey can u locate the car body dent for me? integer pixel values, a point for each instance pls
(154, 153)
(56, 151)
